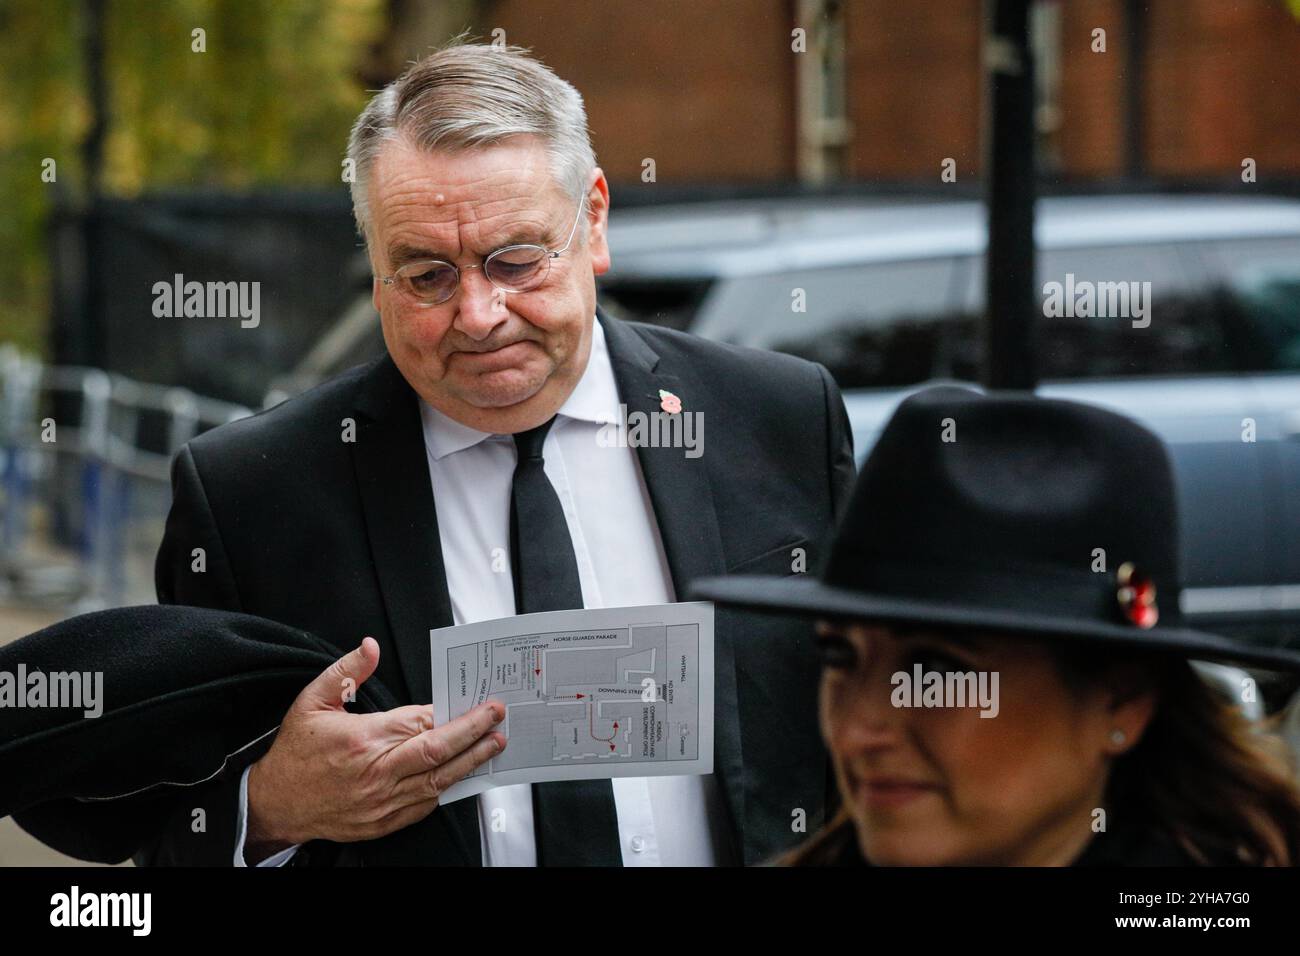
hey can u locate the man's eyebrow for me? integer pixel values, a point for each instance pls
(402, 253)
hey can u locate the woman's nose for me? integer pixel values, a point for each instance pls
(861, 716)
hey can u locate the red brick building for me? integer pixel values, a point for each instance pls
(713, 91)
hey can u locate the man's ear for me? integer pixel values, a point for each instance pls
(598, 222)
(376, 290)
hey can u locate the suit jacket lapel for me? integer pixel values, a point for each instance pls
(688, 525)
(392, 472)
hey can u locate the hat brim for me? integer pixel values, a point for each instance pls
(808, 596)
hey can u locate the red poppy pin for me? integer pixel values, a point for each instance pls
(669, 402)
(1137, 596)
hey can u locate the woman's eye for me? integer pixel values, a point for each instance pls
(836, 653)
(933, 660)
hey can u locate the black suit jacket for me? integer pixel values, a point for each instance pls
(341, 539)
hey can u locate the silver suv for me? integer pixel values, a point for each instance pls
(892, 293)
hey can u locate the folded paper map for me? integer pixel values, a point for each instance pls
(589, 694)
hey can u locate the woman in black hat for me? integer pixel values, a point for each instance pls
(1007, 677)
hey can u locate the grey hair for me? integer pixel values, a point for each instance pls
(469, 95)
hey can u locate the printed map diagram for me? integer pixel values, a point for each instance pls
(588, 694)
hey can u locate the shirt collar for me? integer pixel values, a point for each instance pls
(593, 399)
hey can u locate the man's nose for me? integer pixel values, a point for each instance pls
(480, 306)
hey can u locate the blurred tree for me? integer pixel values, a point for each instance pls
(268, 101)
(414, 27)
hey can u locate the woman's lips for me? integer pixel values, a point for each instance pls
(889, 793)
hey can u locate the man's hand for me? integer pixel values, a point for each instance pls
(344, 777)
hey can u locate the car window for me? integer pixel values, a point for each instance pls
(1209, 308)
(1260, 281)
(1095, 323)
(871, 325)
(1129, 310)
(668, 302)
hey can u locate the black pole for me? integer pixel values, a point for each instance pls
(92, 53)
(1012, 305)
(1135, 46)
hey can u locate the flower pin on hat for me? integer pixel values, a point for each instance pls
(669, 402)
(1137, 596)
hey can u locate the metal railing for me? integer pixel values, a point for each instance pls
(83, 489)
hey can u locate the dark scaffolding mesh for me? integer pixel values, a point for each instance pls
(301, 247)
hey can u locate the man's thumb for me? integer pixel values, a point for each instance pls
(337, 684)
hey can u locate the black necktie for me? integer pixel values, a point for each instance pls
(574, 820)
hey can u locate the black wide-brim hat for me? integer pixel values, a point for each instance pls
(1008, 513)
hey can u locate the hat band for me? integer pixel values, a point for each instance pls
(1038, 590)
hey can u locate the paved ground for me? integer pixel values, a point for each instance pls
(48, 570)
(16, 847)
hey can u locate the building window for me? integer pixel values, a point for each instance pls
(823, 125)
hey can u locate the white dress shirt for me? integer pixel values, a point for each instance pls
(669, 821)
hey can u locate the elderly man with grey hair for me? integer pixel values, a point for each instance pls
(383, 504)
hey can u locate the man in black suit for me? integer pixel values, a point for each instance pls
(371, 506)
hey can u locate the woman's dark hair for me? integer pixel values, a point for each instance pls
(1218, 784)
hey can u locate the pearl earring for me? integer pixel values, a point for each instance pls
(1117, 737)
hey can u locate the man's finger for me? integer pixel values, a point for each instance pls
(401, 723)
(338, 683)
(435, 747)
(431, 784)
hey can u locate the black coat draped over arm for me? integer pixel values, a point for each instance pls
(185, 690)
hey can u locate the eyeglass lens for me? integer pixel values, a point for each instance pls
(511, 270)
